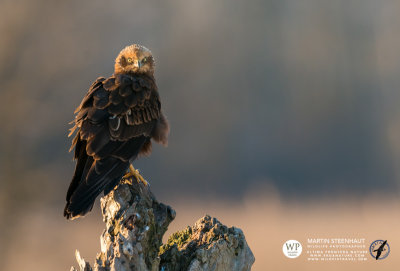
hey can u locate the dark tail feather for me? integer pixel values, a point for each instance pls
(76, 181)
(82, 164)
(97, 178)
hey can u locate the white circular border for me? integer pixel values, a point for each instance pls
(286, 252)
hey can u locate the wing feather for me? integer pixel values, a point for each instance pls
(97, 142)
(131, 101)
(125, 91)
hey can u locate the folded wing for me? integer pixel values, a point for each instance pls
(114, 124)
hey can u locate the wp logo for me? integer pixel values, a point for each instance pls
(292, 249)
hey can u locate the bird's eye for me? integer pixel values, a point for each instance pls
(144, 60)
(129, 60)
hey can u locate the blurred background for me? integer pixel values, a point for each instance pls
(285, 119)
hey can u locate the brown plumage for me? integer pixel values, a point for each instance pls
(114, 124)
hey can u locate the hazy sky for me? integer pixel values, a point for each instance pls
(300, 95)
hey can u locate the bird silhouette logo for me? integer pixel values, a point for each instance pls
(379, 249)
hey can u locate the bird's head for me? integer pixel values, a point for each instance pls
(134, 59)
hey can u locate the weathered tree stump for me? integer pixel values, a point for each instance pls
(135, 224)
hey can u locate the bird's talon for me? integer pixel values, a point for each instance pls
(135, 173)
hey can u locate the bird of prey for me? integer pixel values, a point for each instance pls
(114, 124)
(380, 249)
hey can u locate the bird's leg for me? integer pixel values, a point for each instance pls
(135, 173)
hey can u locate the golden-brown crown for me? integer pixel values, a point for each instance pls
(134, 59)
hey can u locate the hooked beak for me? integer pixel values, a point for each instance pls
(137, 64)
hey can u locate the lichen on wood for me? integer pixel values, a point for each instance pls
(208, 245)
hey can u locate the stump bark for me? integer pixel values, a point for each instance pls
(135, 224)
